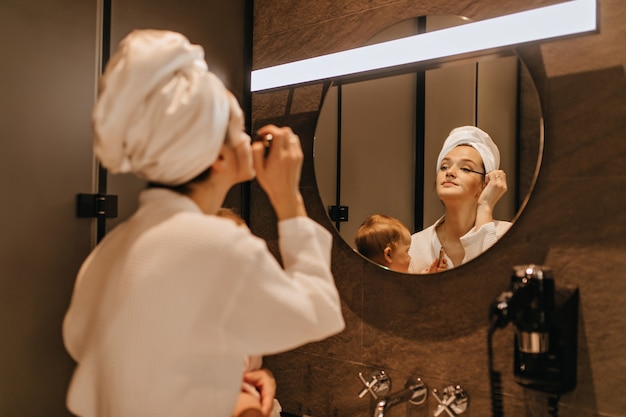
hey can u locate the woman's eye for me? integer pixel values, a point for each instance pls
(443, 168)
(466, 170)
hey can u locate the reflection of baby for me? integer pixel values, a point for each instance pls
(232, 215)
(386, 241)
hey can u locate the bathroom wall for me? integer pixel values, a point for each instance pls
(435, 326)
(47, 88)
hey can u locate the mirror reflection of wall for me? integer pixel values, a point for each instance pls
(377, 141)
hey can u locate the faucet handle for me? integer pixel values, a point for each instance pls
(419, 388)
(453, 401)
(379, 384)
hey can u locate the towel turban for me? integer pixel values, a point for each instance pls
(160, 113)
(476, 138)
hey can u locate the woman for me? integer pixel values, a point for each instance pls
(168, 305)
(469, 183)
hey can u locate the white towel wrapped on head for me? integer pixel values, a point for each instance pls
(160, 113)
(476, 138)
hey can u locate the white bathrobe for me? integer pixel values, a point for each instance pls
(169, 303)
(425, 244)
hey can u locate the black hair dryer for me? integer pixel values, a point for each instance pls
(546, 329)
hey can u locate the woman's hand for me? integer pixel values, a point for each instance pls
(436, 266)
(248, 405)
(495, 188)
(279, 172)
(439, 265)
(265, 384)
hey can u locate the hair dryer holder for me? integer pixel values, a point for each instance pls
(546, 329)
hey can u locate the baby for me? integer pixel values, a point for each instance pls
(385, 240)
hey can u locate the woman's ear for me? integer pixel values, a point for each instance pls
(221, 163)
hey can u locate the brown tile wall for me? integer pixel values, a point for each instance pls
(435, 326)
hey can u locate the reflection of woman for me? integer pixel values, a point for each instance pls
(469, 183)
(384, 240)
(168, 305)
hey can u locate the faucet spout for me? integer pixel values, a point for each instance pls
(415, 392)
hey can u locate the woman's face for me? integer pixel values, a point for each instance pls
(239, 140)
(461, 174)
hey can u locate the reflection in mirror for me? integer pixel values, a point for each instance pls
(386, 241)
(377, 140)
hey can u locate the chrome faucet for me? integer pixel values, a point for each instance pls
(453, 401)
(415, 392)
(379, 384)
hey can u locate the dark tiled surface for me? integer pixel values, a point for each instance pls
(587, 140)
(286, 31)
(435, 326)
(272, 105)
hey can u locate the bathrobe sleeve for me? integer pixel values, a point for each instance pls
(476, 242)
(280, 308)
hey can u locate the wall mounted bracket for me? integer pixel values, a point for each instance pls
(338, 213)
(96, 205)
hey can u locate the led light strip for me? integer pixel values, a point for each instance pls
(563, 19)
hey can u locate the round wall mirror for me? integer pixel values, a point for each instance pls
(377, 140)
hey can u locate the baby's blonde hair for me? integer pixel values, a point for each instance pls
(376, 233)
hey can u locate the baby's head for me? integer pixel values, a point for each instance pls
(231, 214)
(384, 240)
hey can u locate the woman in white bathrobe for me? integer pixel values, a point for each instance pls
(469, 183)
(168, 305)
